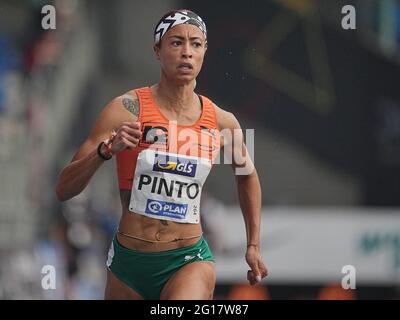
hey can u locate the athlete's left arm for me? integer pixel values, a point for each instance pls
(249, 190)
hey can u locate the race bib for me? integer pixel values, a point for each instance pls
(168, 186)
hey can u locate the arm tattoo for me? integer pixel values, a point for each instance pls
(131, 105)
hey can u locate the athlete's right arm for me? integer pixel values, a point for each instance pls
(120, 115)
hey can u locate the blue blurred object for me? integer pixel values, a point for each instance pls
(398, 23)
(8, 62)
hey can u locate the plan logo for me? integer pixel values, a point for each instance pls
(168, 209)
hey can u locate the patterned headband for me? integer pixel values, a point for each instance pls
(175, 18)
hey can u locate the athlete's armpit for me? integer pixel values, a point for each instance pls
(132, 105)
(125, 197)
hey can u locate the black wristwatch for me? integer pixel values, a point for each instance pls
(102, 155)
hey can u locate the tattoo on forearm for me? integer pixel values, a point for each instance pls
(132, 105)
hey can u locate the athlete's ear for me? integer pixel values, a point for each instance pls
(156, 49)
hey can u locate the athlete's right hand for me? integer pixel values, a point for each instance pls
(127, 137)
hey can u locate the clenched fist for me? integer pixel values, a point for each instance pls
(126, 137)
(258, 270)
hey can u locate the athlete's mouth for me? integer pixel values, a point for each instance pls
(187, 66)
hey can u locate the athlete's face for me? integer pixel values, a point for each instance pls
(181, 52)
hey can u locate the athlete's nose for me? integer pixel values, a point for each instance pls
(186, 51)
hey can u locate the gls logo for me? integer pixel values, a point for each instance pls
(176, 165)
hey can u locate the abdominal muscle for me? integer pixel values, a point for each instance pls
(156, 230)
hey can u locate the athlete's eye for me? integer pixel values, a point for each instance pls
(197, 44)
(176, 43)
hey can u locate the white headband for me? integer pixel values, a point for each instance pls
(176, 18)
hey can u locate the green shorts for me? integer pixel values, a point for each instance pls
(148, 272)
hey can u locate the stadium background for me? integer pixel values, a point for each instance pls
(324, 102)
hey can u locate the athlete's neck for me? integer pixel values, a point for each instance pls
(176, 98)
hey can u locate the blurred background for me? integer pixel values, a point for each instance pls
(324, 102)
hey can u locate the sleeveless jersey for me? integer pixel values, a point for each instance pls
(168, 168)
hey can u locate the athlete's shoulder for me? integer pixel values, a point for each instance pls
(130, 101)
(124, 105)
(122, 108)
(225, 119)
